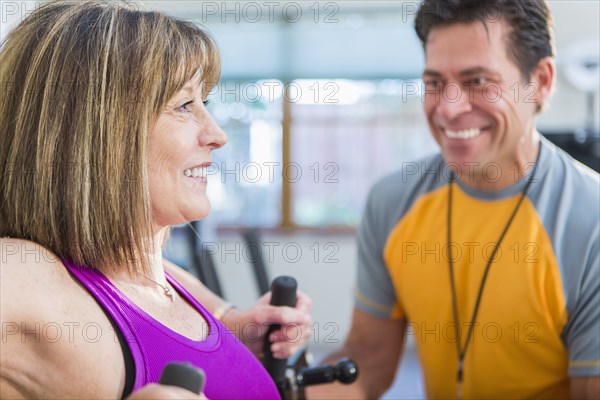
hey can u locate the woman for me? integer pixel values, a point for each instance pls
(104, 144)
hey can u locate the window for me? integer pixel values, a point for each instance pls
(342, 136)
(246, 188)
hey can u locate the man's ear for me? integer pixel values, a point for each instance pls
(543, 77)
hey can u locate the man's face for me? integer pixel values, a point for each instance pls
(476, 102)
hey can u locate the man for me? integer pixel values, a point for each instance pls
(489, 255)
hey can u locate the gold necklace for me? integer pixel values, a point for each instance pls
(169, 291)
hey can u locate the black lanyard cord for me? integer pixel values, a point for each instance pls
(462, 350)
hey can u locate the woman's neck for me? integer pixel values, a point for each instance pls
(153, 259)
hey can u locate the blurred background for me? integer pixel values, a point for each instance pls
(320, 99)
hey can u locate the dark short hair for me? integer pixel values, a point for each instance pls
(530, 39)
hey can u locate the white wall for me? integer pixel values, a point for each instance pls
(573, 20)
(12, 12)
(393, 54)
(326, 275)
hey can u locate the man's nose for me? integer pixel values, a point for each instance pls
(453, 102)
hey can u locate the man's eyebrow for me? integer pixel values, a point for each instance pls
(466, 72)
(429, 72)
(475, 71)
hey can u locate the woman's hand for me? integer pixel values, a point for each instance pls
(251, 326)
(159, 392)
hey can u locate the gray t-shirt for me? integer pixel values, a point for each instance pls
(553, 283)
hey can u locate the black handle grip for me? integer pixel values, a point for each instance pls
(183, 375)
(283, 293)
(345, 371)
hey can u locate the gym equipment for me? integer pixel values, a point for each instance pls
(183, 375)
(291, 380)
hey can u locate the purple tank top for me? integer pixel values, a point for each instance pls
(232, 371)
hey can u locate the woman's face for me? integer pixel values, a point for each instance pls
(179, 153)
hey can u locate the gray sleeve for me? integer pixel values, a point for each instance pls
(568, 201)
(389, 200)
(374, 292)
(583, 333)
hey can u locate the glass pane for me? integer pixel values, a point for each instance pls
(245, 186)
(345, 136)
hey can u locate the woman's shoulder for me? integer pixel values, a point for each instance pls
(45, 314)
(23, 262)
(33, 280)
(26, 253)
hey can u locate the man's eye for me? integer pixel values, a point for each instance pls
(433, 84)
(476, 81)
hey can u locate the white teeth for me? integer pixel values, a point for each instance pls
(464, 134)
(199, 172)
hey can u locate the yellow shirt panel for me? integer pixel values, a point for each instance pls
(516, 345)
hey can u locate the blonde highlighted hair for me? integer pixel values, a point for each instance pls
(82, 83)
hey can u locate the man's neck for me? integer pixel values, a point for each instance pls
(500, 175)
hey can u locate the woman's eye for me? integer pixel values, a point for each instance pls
(206, 102)
(185, 107)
